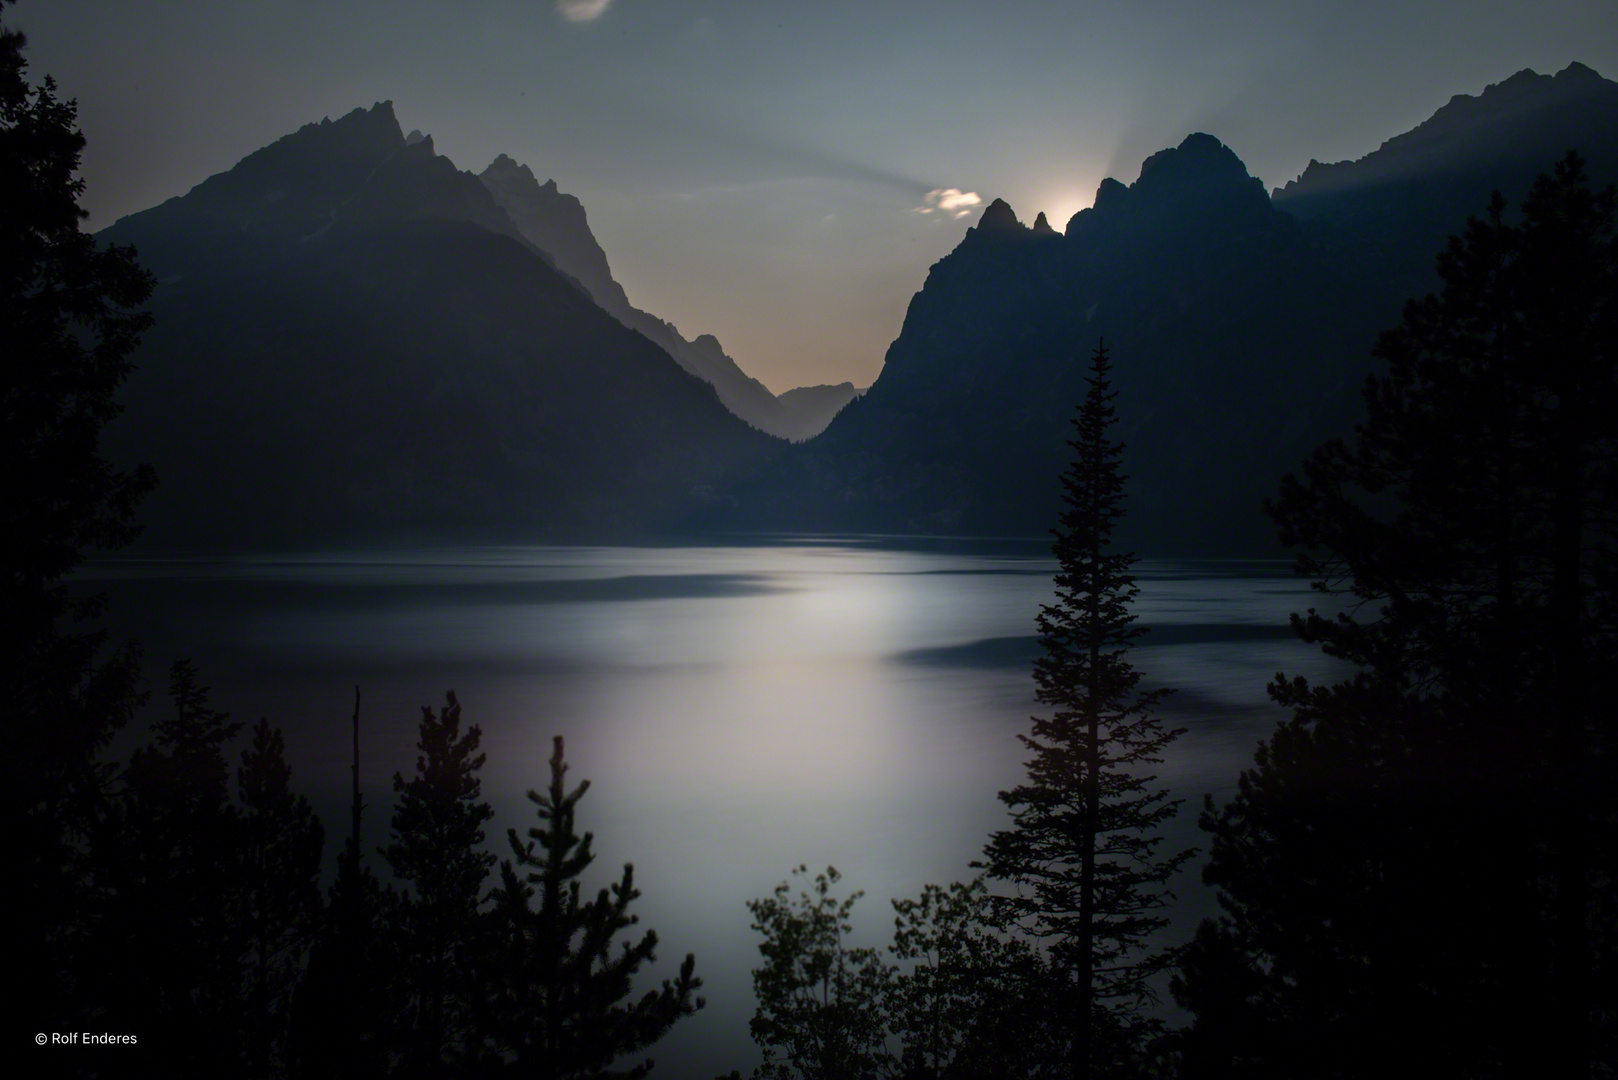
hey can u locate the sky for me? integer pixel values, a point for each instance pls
(782, 173)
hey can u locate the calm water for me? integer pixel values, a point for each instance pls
(739, 710)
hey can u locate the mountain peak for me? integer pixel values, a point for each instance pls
(506, 168)
(1202, 178)
(376, 124)
(506, 173)
(556, 224)
(1042, 226)
(297, 182)
(1111, 193)
(1576, 72)
(999, 215)
(1198, 158)
(1528, 117)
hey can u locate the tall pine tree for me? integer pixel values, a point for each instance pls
(437, 851)
(282, 843)
(559, 983)
(68, 324)
(345, 1006)
(1462, 778)
(1083, 850)
(182, 846)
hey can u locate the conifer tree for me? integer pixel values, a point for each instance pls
(1471, 528)
(69, 321)
(437, 851)
(282, 843)
(1083, 850)
(182, 857)
(343, 1011)
(345, 1006)
(559, 983)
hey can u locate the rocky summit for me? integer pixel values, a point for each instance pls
(1241, 326)
(354, 340)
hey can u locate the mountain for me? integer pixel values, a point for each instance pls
(555, 223)
(1389, 211)
(1240, 323)
(1201, 289)
(353, 339)
(817, 402)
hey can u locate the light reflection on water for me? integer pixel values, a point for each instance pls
(739, 709)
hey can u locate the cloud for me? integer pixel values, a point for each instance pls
(582, 10)
(951, 202)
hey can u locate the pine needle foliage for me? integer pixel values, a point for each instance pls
(562, 1004)
(69, 323)
(1468, 534)
(1083, 851)
(282, 843)
(437, 848)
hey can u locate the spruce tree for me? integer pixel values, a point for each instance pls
(181, 897)
(1083, 850)
(282, 842)
(558, 983)
(437, 852)
(1462, 778)
(344, 1008)
(69, 321)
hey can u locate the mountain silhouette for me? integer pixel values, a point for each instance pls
(355, 340)
(1240, 325)
(555, 222)
(1388, 212)
(1193, 280)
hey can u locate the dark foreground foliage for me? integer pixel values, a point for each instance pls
(69, 319)
(1082, 852)
(1051, 975)
(1420, 864)
(1419, 867)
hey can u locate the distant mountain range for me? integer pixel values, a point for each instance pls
(1391, 211)
(555, 223)
(356, 339)
(1240, 324)
(353, 338)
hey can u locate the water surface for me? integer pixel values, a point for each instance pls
(739, 710)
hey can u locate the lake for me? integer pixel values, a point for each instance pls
(739, 710)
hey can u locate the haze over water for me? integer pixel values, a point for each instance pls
(738, 710)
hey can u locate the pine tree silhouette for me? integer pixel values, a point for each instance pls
(560, 1002)
(181, 896)
(437, 851)
(1461, 780)
(1082, 851)
(282, 843)
(344, 1008)
(69, 321)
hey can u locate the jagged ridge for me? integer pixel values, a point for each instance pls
(353, 339)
